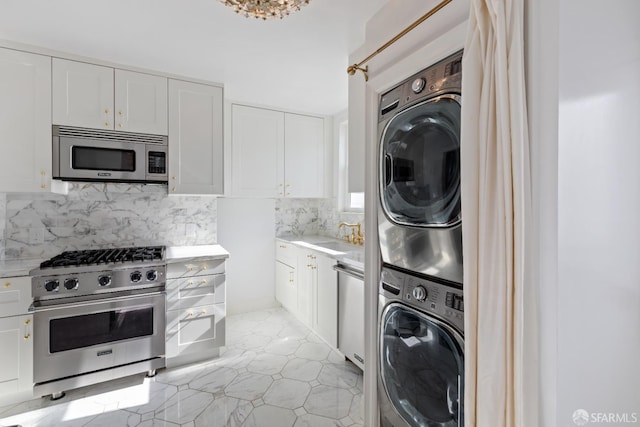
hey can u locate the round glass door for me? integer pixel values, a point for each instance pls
(420, 164)
(422, 368)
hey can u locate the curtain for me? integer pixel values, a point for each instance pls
(500, 390)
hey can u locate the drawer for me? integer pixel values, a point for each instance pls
(15, 295)
(286, 253)
(194, 267)
(195, 330)
(187, 292)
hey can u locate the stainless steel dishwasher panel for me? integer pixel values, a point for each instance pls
(351, 314)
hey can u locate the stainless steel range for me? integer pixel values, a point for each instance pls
(98, 315)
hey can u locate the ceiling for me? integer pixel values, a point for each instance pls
(297, 63)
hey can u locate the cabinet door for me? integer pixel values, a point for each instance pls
(194, 330)
(140, 102)
(82, 94)
(306, 284)
(195, 138)
(25, 121)
(16, 357)
(257, 140)
(15, 295)
(326, 301)
(304, 156)
(286, 292)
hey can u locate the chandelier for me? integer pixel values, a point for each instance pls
(265, 9)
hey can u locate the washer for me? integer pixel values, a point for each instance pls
(419, 219)
(421, 352)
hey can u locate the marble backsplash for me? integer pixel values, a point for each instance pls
(102, 215)
(300, 217)
(34, 225)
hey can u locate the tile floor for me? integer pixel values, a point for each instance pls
(274, 372)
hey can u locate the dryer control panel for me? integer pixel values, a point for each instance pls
(443, 301)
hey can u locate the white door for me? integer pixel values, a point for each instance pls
(257, 139)
(25, 121)
(16, 357)
(304, 156)
(140, 102)
(195, 138)
(306, 284)
(82, 94)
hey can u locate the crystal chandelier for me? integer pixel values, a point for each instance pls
(265, 9)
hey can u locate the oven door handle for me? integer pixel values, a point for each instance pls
(87, 303)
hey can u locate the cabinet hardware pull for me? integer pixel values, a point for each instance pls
(106, 111)
(173, 189)
(283, 246)
(119, 125)
(7, 285)
(204, 282)
(27, 336)
(43, 186)
(43, 173)
(190, 283)
(173, 177)
(119, 113)
(189, 268)
(106, 123)
(204, 311)
(26, 322)
(190, 314)
(204, 267)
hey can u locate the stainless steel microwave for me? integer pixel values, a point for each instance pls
(81, 154)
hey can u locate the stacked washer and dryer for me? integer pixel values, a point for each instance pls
(421, 326)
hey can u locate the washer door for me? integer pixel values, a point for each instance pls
(422, 368)
(420, 164)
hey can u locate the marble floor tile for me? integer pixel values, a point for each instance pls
(286, 393)
(224, 411)
(331, 402)
(302, 369)
(270, 416)
(274, 372)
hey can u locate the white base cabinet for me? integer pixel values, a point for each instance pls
(325, 309)
(196, 309)
(16, 340)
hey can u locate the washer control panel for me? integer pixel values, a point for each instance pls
(443, 301)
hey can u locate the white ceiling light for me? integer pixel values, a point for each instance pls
(265, 9)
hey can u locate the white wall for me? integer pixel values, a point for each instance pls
(599, 208)
(246, 228)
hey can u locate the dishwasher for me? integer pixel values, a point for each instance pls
(351, 313)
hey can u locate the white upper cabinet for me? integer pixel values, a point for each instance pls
(257, 152)
(276, 154)
(303, 156)
(140, 102)
(25, 121)
(93, 96)
(195, 138)
(82, 94)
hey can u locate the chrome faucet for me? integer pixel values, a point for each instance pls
(355, 238)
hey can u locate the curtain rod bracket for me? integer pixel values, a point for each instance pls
(355, 67)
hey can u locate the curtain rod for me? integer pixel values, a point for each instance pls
(358, 67)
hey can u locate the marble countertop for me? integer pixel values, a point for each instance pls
(340, 250)
(16, 268)
(198, 251)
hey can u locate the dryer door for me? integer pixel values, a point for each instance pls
(421, 369)
(420, 164)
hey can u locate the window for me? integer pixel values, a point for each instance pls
(351, 202)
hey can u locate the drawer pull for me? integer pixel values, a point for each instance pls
(204, 282)
(190, 314)
(26, 322)
(204, 311)
(27, 336)
(7, 285)
(189, 268)
(283, 246)
(204, 267)
(190, 282)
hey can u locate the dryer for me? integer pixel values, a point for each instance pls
(421, 352)
(419, 218)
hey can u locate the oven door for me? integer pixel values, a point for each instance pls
(91, 160)
(78, 338)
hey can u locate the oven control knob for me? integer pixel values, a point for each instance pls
(71, 284)
(419, 293)
(52, 285)
(418, 85)
(152, 275)
(136, 276)
(104, 280)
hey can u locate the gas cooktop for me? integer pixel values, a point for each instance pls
(105, 256)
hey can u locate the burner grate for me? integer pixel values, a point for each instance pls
(105, 256)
